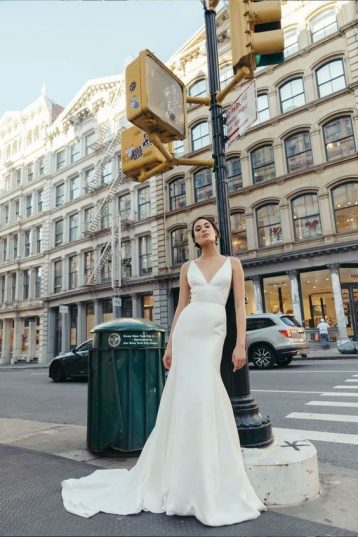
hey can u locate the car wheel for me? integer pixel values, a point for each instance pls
(283, 362)
(57, 372)
(262, 356)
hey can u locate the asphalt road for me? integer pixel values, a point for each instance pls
(299, 389)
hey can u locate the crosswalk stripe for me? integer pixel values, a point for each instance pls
(347, 387)
(323, 417)
(338, 438)
(333, 403)
(351, 380)
(283, 391)
(339, 394)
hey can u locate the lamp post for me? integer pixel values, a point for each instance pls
(253, 429)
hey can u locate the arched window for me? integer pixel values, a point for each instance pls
(345, 206)
(199, 88)
(298, 152)
(291, 42)
(263, 110)
(323, 25)
(263, 164)
(179, 147)
(203, 189)
(238, 232)
(269, 225)
(330, 78)
(200, 135)
(306, 217)
(226, 74)
(338, 138)
(292, 94)
(179, 246)
(234, 176)
(177, 198)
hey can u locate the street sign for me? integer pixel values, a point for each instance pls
(116, 301)
(242, 113)
(63, 309)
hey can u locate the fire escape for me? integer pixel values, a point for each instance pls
(106, 145)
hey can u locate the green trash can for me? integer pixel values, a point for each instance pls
(125, 383)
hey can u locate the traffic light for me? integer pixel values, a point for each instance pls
(139, 155)
(155, 98)
(256, 34)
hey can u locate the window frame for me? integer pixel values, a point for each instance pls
(203, 137)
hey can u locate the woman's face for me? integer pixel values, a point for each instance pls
(204, 233)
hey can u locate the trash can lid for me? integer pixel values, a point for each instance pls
(128, 324)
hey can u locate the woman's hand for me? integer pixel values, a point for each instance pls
(167, 358)
(239, 358)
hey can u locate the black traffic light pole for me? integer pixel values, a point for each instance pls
(253, 429)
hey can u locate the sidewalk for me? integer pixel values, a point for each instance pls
(31, 504)
(37, 456)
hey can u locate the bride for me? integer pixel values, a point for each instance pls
(191, 463)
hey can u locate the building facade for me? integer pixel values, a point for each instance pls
(76, 234)
(292, 177)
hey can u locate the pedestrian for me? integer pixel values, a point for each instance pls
(191, 463)
(322, 328)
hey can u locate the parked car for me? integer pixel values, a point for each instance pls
(73, 364)
(274, 339)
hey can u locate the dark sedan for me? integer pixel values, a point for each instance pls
(73, 364)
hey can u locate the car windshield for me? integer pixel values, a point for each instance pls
(85, 346)
(290, 320)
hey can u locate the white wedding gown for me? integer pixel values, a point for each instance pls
(191, 463)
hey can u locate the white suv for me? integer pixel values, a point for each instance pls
(274, 339)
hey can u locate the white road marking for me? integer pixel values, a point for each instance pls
(351, 380)
(323, 417)
(347, 387)
(333, 403)
(339, 394)
(338, 438)
(284, 391)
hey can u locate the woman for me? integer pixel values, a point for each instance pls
(191, 463)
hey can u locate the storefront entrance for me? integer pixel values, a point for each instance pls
(350, 304)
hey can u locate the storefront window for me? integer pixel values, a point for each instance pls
(89, 319)
(73, 324)
(107, 309)
(147, 307)
(277, 294)
(318, 298)
(250, 302)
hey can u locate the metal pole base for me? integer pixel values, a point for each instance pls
(253, 429)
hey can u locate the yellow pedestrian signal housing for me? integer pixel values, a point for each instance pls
(155, 98)
(139, 155)
(256, 35)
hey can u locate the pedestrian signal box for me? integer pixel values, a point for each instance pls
(139, 155)
(155, 98)
(256, 34)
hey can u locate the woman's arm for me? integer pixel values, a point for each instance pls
(184, 297)
(238, 282)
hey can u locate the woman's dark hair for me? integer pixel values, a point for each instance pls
(212, 222)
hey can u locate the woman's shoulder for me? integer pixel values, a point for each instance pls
(235, 261)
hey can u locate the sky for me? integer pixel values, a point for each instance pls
(64, 43)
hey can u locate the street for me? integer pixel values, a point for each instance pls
(287, 395)
(318, 397)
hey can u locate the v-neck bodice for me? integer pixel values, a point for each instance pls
(216, 290)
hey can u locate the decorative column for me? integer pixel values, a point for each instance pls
(295, 295)
(338, 302)
(258, 294)
(136, 306)
(81, 322)
(31, 348)
(5, 350)
(65, 334)
(245, 169)
(98, 312)
(17, 340)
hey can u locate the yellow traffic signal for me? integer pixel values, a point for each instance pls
(256, 34)
(138, 153)
(155, 98)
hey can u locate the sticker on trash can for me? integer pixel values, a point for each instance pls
(140, 339)
(114, 340)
